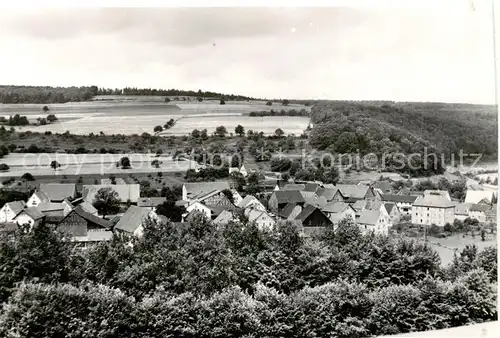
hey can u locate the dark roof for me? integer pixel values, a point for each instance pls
(92, 218)
(289, 196)
(307, 211)
(58, 191)
(132, 219)
(287, 210)
(479, 207)
(389, 206)
(398, 198)
(33, 212)
(16, 206)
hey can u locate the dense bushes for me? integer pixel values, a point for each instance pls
(198, 280)
(340, 308)
(32, 94)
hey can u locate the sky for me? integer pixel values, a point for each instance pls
(339, 53)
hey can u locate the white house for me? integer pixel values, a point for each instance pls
(133, 219)
(462, 211)
(373, 220)
(247, 169)
(433, 209)
(403, 202)
(37, 198)
(337, 211)
(29, 216)
(261, 218)
(236, 197)
(199, 207)
(393, 212)
(478, 211)
(477, 196)
(251, 202)
(10, 210)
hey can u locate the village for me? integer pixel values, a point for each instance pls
(99, 211)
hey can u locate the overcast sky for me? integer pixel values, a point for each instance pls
(326, 53)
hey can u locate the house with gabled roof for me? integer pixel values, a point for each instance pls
(37, 198)
(133, 219)
(248, 168)
(477, 196)
(330, 194)
(150, 202)
(383, 187)
(373, 220)
(311, 216)
(290, 211)
(251, 202)
(393, 212)
(279, 199)
(225, 217)
(354, 192)
(85, 228)
(293, 186)
(262, 219)
(311, 187)
(461, 210)
(29, 216)
(10, 210)
(433, 209)
(491, 214)
(478, 211)
(337, 211)
(403, 202)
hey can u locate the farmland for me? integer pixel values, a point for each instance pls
(132, 115)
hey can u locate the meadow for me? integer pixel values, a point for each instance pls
(137, 115)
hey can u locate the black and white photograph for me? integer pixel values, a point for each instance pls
(256, 170)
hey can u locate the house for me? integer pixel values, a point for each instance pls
(337, 211)
(393, 212)
(279, 199)
(29, 216)
(248, 168)
(330, 194)
(403, 202)
(251, 202)
(132, 221)
(54, 212)
(150, 202)
(462, 210)
(192, 191)
(225, 217)
(217, 199)
(290, 211)
(478, 211)
(85, 228)
(10, 210)
(236, 197)
(200, 207)
(37, 198)
(311, 216)
(58, 192)
(432, 209)
(442, 193)
(383, 187)
(261, 218)
(86, 206)
(373, 220)
(476, 196)
(353, 192)
(126, 192)
(311, 187)
(293, 186)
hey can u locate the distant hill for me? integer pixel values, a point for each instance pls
(46, 95)
(343, 127)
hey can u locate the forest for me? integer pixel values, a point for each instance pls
(345, 127)
(405, 127)
(38, 94)
(199, 280)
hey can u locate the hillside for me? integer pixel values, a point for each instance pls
(343, 127)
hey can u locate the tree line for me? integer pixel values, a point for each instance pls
(283, 112)
(34, 94)
(197, 279)
(170, 92)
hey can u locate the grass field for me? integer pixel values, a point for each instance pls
(446, 246)
(137, 115)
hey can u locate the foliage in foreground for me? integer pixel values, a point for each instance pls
(198, 280)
